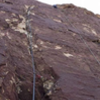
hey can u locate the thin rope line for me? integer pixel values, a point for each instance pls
(29, 36)
(85, 43)
(89, 49)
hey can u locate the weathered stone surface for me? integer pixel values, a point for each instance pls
(61, 56)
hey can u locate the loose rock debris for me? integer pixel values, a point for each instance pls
(65, 68)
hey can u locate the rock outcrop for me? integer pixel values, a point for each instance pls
(66, 46)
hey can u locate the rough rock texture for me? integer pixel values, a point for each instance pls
(69, 70)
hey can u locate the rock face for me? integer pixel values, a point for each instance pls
(66, 45)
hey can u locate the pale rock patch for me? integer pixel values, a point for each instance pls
(68, 55)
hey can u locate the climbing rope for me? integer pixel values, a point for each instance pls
(29, 36)
(89, 48)
(84, 42)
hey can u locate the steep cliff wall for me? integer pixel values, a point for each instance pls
(66, 46)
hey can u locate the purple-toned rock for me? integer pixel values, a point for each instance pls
(66, 46)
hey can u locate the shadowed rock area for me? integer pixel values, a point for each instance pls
(66, 46)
